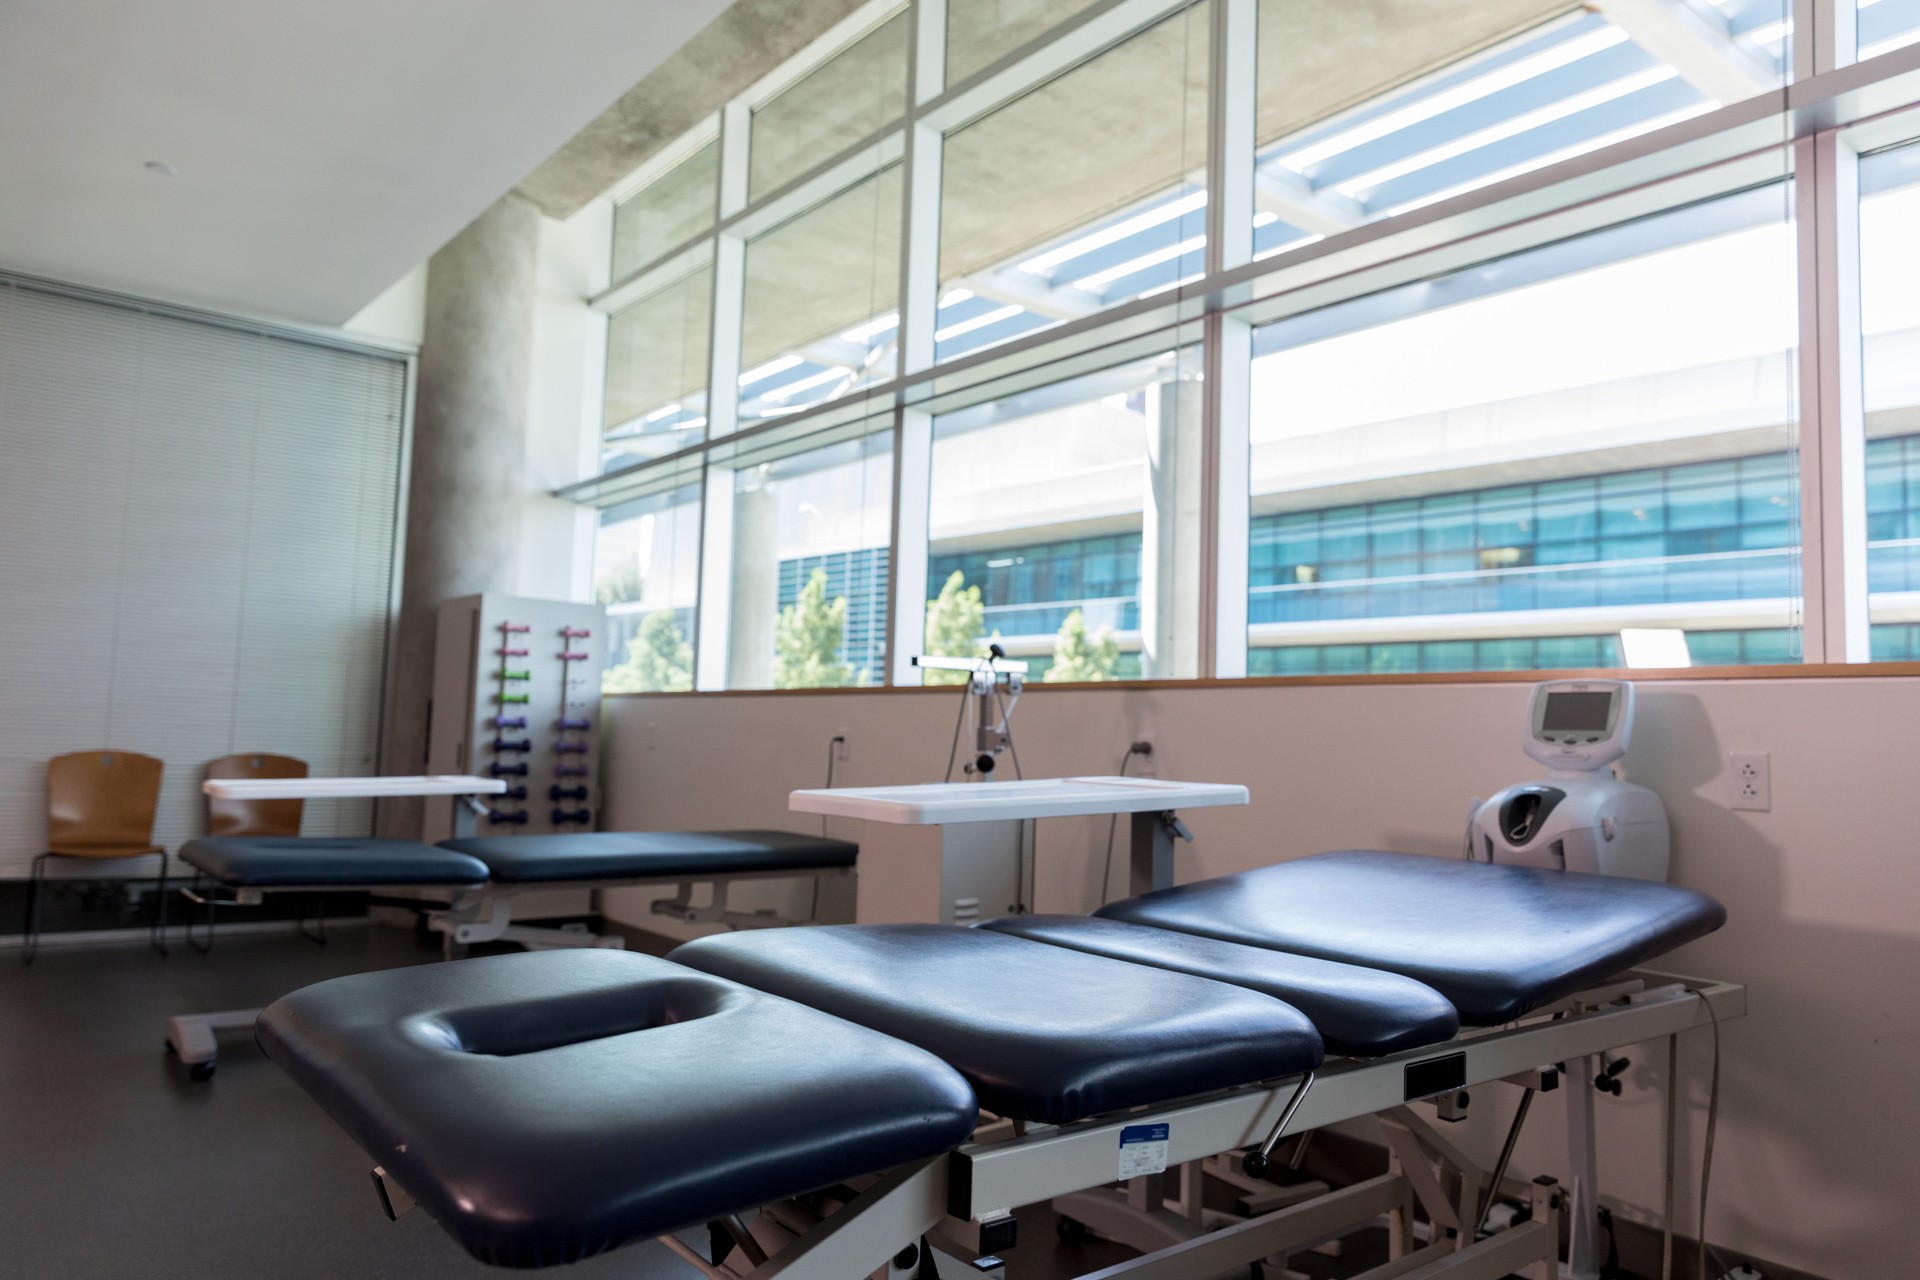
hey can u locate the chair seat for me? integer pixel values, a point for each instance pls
(104, 851)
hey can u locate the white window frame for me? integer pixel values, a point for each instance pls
(1812, 129)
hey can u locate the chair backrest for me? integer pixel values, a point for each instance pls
(100, 804)
(254, 817)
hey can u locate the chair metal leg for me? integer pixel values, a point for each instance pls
(318, 934)
(157, 936)
(203, 893)
(31, 944)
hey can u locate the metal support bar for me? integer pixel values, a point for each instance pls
(900, 1206)
(1417, 1167)
(1495, 1258)
(1257, 1162)
(1506, 1157)
(1288, 1231)
(1051, 1162)
(1583, 1167)
(394, 1199)
(693, 1259)
(1150, 851)
(36, 886)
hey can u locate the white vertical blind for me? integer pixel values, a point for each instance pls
(197, 536)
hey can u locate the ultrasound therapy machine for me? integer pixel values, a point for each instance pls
(1582, 817)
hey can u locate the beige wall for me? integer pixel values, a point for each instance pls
(1818, 1116)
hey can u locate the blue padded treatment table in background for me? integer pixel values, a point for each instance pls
(547, 1106)
(1361, 1013)
(1496, 941)
(265, 862)
(617, 855)
(1041, 1033)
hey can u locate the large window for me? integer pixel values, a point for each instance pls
(1054, 525)
(1083, 193)
(821, 290)
(1886, 25)
(862, 89)
(668, 211)
(1369, 112)
(1174, 338)
(981, 31)
(646, 572)
(656, 389)
(808, 597)
(1593, 434)
(1890, 369)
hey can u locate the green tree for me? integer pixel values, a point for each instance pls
(807, 639)
(621, 586)
(659, 659)
(955, 619)
(1078, 656)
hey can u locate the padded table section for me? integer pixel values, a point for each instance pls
(267, 862)
(1041, 1033)
(1496, 941)
(623, 855)
(1360, 1013)
(546, 1106)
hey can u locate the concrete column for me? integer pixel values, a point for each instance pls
(755, 600)
(1170, 532)
(470, 483)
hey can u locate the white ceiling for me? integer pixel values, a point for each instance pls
(322, 149)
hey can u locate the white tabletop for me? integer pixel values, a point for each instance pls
(940, 803)
(349, 788)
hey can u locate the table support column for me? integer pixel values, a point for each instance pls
(1151, 855)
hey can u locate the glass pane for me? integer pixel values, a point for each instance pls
(810, 557)
(1890, 380)
(1590, 436)
(1059, 526)
(656, 397)
(821, 292)
(980, 31)
(1886, 25)
(1087, 192)
(1370, 111)
(667, 212)
(646, 571)
(857, 92)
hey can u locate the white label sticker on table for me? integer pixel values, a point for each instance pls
(1143, 1149)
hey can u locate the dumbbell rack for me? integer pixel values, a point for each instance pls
(522, 680)
(575, 729)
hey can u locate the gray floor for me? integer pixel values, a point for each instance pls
(114, 1164)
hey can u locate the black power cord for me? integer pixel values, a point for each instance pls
(959, 722)
(1706, 1154)
(1142, 748)
(833, 752)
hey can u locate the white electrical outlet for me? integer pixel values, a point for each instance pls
(1750, 775)
(842, 744)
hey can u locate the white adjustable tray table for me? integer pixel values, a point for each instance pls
(985, 827)
(350, 788)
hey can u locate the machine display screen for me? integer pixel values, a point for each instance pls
(1576, 712)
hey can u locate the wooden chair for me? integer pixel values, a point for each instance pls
(254, 817)
(245, 818)
(100, 805)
